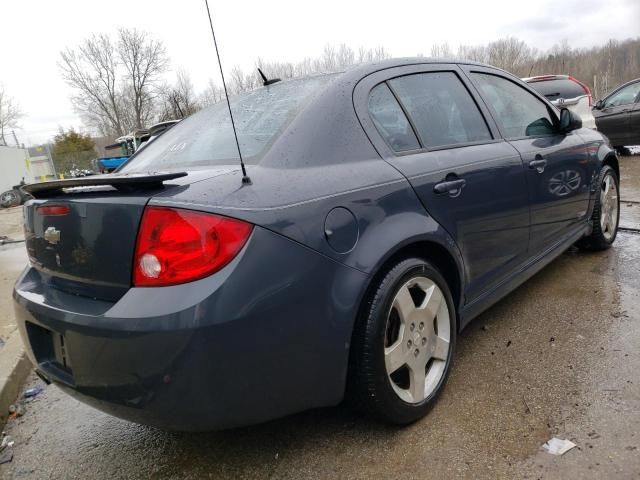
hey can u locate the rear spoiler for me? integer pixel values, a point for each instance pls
(124, 182)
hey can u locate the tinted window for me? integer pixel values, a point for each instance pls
(441, 108)
(206, 138)
(390, 120)
(626, 95)
(561, 88)
(518, 112)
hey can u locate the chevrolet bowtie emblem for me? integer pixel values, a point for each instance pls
(52, 235)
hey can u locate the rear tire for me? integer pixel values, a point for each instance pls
(403, 344)
(10, 198)
(606, 213)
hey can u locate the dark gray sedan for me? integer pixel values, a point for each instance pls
(388, 206)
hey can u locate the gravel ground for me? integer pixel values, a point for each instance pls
(11, 223)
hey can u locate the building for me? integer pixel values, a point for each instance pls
(32, 165)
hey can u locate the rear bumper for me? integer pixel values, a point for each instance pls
(265, 337)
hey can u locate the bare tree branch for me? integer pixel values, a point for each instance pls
(10, 114)
(113, 83)
(179, 100)
(144, 60)
(92, 71)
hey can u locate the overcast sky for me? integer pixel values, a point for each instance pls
(32, 33)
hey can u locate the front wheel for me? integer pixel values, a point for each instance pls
(403, 344)
(606, 213)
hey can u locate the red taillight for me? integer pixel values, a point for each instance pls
(53, 210)
(584, 87)
(178, 246)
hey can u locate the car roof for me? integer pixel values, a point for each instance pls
(354, 73)
(363, 69)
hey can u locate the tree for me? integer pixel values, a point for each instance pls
(72, 149)
(510, 54)
(114, 81)
(211, 94)
(144, 60)
(92, 71)
(178, 100)
(10, 114)
(441, 51)
(240, 81)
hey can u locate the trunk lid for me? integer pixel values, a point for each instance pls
(86, 246)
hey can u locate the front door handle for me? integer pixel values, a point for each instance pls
(452, 187)
(539, 163)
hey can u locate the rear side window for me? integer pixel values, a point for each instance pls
(518, 113)
(390, 120)
(560, 88)
(625, 96)
(441, 109)
(206, 138)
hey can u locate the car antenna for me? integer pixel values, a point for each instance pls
(245, 178)
(265, 81)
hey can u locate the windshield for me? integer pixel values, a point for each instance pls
(206, 138)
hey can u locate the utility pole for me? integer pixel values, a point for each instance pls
(53, 165)
(15, 138)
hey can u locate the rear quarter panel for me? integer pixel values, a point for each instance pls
(599, 149)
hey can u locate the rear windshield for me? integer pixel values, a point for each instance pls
(206, 138)
(561, 88)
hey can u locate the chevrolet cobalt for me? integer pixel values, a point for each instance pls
(384, 208)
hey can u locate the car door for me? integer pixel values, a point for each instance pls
(614, 117)
(425, 122)
(559, 169)
(634, 123)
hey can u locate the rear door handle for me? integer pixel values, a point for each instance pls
(453, 187)
(538, 164)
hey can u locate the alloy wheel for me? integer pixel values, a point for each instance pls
(417, 339)
(608, 207)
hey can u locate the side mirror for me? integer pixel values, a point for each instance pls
(599, 105)
(569, 121)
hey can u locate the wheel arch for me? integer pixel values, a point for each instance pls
(441, 256)
(611, 159)
(445, 258)
(607, 156)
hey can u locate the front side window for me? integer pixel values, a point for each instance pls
(625, 96)
(518, 112)
(441, 108)
(390, 120)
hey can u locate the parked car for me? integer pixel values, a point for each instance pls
(387, 206)
(618, 115)
(568, 92)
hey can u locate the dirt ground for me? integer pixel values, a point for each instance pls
(557, 357)
(11, 223)
(13, 259)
